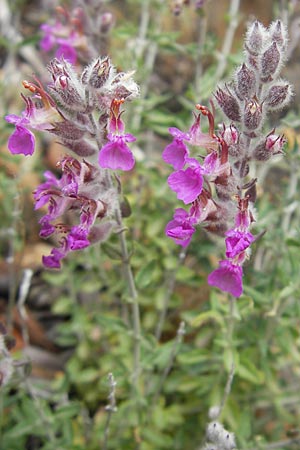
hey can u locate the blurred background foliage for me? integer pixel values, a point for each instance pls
(77, 328)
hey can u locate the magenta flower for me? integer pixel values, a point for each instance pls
(116, 154)
(76, 190)
(176, 152)
(63, 37)
(187, 183)
(67, 51)
(52, 261)
(22, 140)
(40, 113)
(237, 241)
(181, 228)
(228, 278)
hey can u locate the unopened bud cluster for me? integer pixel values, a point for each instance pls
(256, 88)
(218, 438)
(218, 187)
(83, 111)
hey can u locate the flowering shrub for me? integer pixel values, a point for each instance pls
(221, 195)
(133, 379)
(80, 112)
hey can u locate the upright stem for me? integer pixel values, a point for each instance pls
(233, 23)
(169, 291)
(227, 389)
(198, 66)
(11, 260)
(148, 59)
(134, 300)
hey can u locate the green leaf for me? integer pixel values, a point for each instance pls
(146, 274)
(248, 371)
(112, 251)
(67, 411)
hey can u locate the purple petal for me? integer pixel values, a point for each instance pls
(46, 230)
(47, 42)
(178, 134)
(237, 242)
(67, 52)
(175, 154)
(53, 261)
(187, 184)
(228, 278)
(181, 233)
(128, 137)
(77, 239)
(13, 118)
(21, 141)
(116, 155)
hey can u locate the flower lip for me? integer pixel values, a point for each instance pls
(116, 154)
(228, 278)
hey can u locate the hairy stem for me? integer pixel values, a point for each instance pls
(230, 330)
(110, 408)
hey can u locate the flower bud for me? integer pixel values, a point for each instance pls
(97, 73)
(67, 131)
(101, 232)
(278, 33)
(106, 22)
(255, 37)
(253, 114)
(245, 82)
(279, 95)
(232, 138)
(270, 63)
(230, 135)
(83, 147)
(213, 431)
(270, 146)
(229, 104)
(66, 89)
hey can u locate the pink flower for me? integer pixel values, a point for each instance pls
(40, 113)
(22, 140)
(181, 228)
(187, 183)
(176, 152)
(80, 184)
(228, 278)
(116, 154)
(237, 241)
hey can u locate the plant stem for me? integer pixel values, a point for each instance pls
(148, 58)
(169, 291)
(178, 340)
(128, 275)
(110, 408)
(227, 390)
(11, 259)
(233, 23)
(202, 27)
